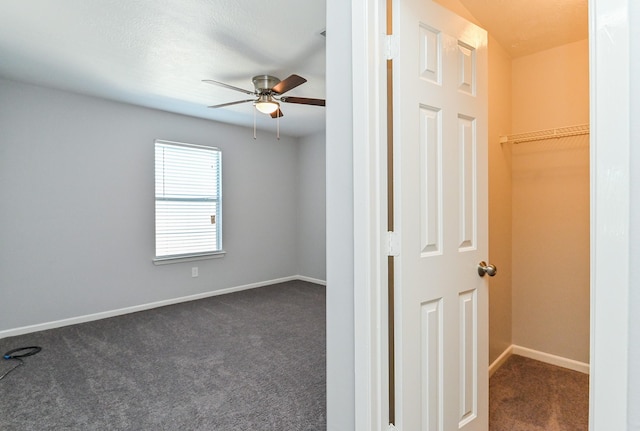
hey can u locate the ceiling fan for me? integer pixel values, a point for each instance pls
(268, 94)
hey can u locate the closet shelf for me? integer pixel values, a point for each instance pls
(561, 132)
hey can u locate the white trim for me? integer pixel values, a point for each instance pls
(550, 359)
(189, 258)
(369, 215)
(547, 358)
(310, 280)
(610, 75)
(142, 307)
(501, 360)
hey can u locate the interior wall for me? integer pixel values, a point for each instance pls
(500, 202)
(551, 88)
(312, 259)
(340, 232)
(77, 219)
(551, 204)
(633, 422)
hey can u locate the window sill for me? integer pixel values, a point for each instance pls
(189, 258)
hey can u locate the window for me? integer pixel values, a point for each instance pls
(188, 201)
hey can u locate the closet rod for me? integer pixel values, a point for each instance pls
(560, 132)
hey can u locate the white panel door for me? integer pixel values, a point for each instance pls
(440, 135)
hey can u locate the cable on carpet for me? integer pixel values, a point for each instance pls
(18, 354)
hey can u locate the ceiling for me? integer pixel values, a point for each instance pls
(156, 53)
(524, 27)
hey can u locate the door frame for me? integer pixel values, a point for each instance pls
(370, 214)
(610, 145)
(610, 222)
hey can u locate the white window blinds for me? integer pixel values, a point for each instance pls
(188, 200)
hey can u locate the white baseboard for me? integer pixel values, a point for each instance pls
(551, 359)
(501, 360)
(538, 356)
(311, 280)
(142, 307)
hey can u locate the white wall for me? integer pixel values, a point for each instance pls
(77, 206)
(340, 233)
(634, 240)
(312, 261)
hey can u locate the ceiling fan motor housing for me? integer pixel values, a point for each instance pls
(264, 83)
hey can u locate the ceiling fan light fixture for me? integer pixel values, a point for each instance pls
(266, 105)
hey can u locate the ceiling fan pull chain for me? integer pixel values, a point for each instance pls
(278, 127)
(254, 123)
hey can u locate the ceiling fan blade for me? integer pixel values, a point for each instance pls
(276, 114)
(231, 87)
(291, 82)
(230, 103)
(304, 101)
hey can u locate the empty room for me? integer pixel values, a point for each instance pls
(105, 325)
(157, 302)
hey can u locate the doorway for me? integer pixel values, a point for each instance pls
(538, 193)
(352, 394)
(548, 173)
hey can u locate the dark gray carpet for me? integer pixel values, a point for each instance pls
(251, 360)
(528, 395)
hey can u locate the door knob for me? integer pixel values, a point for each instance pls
(489, 269)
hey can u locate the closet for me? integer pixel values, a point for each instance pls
(549, 156)
(538, 179)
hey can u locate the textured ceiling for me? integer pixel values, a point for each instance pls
(524, 27)
(156, 53)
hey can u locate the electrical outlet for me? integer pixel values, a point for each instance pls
(194, 271)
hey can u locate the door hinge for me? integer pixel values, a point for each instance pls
(390, 47)
(393, 244)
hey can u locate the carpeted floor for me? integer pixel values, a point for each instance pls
(528, 395)
(251, 360)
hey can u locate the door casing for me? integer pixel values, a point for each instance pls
(609, 20)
